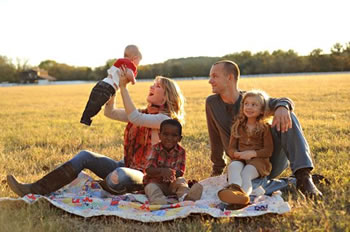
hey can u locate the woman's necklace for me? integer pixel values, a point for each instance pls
(154, 109)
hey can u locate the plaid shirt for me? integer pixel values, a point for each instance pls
(160, 158)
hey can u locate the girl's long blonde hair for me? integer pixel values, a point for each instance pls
(241, 120)
(174, 99)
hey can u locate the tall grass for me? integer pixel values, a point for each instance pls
(39, 129)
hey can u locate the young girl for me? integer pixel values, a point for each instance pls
(250, 147)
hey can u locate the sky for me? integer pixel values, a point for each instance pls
(88, 32)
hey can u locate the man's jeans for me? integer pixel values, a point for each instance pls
(118, 177)
(289, 147)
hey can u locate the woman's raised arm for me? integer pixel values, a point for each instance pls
(134, 116)
(115, 113)
(138, 118)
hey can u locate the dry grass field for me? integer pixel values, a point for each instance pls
(39, 129)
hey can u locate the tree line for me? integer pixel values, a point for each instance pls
(264, 62)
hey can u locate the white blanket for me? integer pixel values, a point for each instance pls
(85, 198)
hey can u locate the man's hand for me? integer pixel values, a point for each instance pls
(245, 155)
(281, 119)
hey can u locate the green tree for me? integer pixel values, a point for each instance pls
(8, 72)
(346, 53)
(337, 49)
(338, 59)
(67, 72)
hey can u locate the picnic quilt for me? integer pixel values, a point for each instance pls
(84, 197)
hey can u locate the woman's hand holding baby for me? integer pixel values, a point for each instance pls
(126, 76)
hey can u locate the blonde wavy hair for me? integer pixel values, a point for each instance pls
(174, 99)
(264, 118)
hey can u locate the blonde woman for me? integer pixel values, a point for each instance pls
(164, 101)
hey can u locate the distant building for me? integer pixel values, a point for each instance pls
(35, 75)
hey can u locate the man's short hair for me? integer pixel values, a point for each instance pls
(172, 122)
(230, 67)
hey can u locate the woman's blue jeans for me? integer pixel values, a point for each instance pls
(118, 177)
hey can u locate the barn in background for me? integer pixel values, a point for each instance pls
(36, 75)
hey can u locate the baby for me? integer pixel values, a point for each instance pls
(106, 88)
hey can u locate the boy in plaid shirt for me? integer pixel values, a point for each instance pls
(165, 168)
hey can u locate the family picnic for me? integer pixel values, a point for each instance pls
(253, 138)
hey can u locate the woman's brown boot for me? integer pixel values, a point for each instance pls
(51, 182)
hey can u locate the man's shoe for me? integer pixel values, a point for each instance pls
(233, 194)
(305, 183)
(319, 179)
